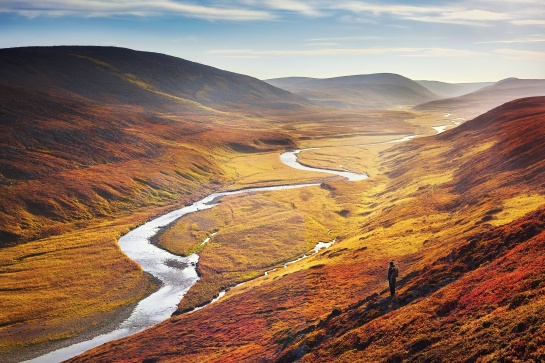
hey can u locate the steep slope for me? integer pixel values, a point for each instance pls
(463, 215)
(117, 75)
(383, 90)
(447, 90)
(475, 103)
(85, 155)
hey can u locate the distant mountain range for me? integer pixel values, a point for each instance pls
(387, 90)
(381, 90)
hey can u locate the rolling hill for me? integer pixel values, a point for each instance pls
(117, 75)
(475, 103)
(463, 215)
(95, 141)
(381, 90)
(70, 110)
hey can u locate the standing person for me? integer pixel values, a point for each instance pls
(392, 276)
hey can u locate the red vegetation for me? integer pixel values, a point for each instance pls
(482, 302)
(132, 134)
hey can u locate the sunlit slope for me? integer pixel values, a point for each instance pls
(118, 75)
(66, 160)
(474, 289)
(461, 213)
(75, 176)
(92, 131)
(86, 154)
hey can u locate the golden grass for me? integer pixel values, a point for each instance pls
(407, 211)
(420, 207)
(259, 169)
(516, 207)
(58, 287)
(254, 233)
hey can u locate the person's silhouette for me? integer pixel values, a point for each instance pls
(392, 276)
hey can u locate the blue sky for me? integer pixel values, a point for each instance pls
(452, 41)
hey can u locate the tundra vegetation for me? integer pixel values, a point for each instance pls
(461, 213)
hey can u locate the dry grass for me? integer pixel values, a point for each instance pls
(59, 287)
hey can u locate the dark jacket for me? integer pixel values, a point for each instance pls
(393, 272)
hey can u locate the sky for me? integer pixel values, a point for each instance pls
(450, 41)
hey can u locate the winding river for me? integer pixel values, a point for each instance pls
(176, 273)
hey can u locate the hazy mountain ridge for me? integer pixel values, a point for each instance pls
(477, 102)
(448, 90)
(381, 90)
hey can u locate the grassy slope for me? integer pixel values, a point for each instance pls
(461, 212)
(124, 76)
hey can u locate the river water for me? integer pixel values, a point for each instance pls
(290, 158)
(176, 273)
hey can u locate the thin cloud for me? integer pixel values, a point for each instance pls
(305, 8)
(529, 22)
(339, 39)
(532, 39)
(106, 8)
(463, 17)
(304, 52)
(521, 54)
(322, 44)
(444, 52)
(401, 51)
(434, 14)
(475, 13)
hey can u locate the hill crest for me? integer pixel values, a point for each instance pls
(379, 90)
(121, 75)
